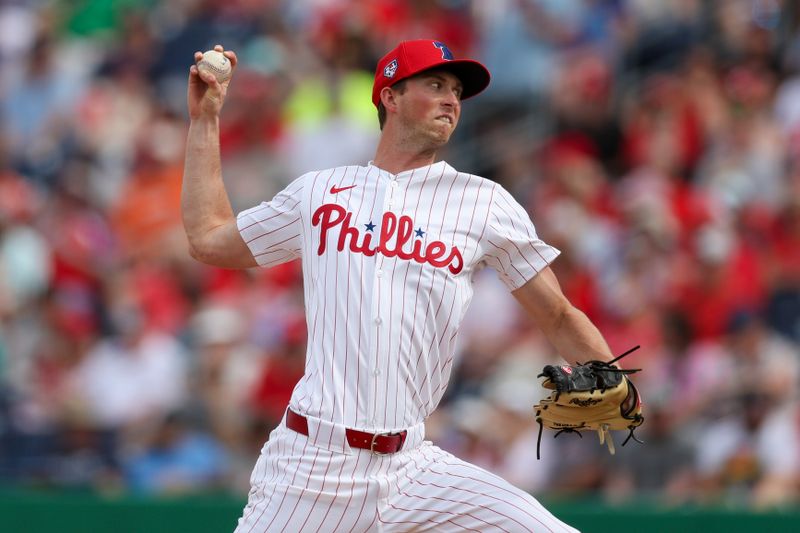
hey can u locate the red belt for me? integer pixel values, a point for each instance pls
(377, 443)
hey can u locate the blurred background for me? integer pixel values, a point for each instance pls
(657, 144)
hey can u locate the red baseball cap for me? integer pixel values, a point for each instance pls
(412, 57)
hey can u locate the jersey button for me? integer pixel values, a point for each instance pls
(394, 184)
(379, 273)
(377, 372)
(378, 320)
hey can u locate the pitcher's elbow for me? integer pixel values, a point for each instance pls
(197, 251)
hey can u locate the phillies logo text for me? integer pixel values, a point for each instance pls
(329, 216)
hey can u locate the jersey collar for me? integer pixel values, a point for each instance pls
(436, 169)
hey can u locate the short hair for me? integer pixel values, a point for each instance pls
(400, 87)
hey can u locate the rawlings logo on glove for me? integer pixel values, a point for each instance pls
(585, 403)
(590, 396)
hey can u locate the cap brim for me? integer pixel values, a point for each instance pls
(474, 76)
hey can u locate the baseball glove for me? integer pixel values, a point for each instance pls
(590, 396)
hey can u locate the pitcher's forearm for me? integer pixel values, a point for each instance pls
(208, 219)
(578, 338)
(575, 337)
(204, 201)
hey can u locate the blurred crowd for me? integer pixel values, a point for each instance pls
(657, 144)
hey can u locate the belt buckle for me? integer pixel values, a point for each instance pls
(374, 441)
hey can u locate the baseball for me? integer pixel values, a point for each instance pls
(216, 63)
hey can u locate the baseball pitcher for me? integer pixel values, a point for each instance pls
(388, 251)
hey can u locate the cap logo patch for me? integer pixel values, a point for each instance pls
(390, 69)
(446, 53)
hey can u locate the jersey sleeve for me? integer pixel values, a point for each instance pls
(511, 245)
(273, 230)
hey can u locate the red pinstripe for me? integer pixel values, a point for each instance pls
(280, 505)
(307, 243)
(520, 253)
(319, 493)
(279, 242)
(456, 292)
(313, 267)
(371, 413)
(485, 224)
(495, 486)
(427, 407)
(330, 437)
(511, 218)
(424, 410)
(418, 523)
(254, 491)
(398, 356)
(295, 221)
(466, 240)
(347, 306)
(338, 484)
(438, 458)
(265, 507)
(328, 258)
(406, 493)
(378, 335)
(415, 347)
(510, 259)
(366, 495)
(361, 315)
(431, 522)
(335, 329)
(416, 296)
(519, 214)
(472, 218)
(401, 352)
(260, 221)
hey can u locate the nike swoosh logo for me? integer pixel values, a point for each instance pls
(335, 189)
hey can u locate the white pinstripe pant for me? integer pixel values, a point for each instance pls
(298, 487)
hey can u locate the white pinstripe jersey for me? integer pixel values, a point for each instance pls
(387, 265)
